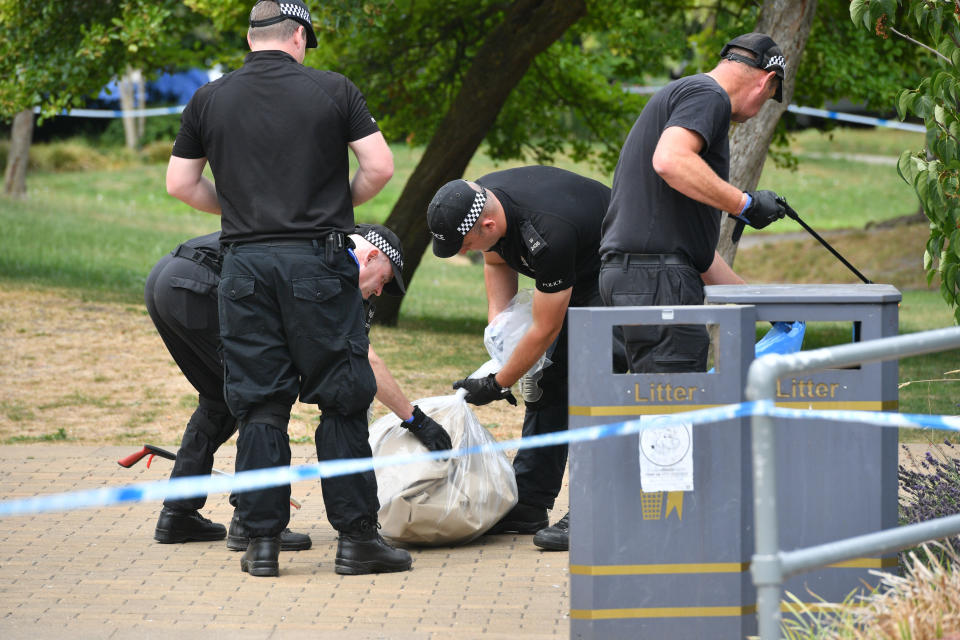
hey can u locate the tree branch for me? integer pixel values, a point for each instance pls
(919, 44)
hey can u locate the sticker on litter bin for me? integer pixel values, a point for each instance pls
(666, 455)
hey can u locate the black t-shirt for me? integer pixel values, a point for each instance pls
(646, 215)
(275, 133)
(207, 253)
(553, 226)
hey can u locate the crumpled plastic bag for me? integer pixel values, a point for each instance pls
(441, 502)
(782, 338)
(504, 332)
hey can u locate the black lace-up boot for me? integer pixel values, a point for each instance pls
(361, 550)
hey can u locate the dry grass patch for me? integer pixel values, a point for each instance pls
(922, 604)
(98, 373)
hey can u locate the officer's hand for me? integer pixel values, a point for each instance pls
(764, 208)
(428, 431)
(484, 390)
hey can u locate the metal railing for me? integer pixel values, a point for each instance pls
(769, 565)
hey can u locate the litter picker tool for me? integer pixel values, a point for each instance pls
(793, 214)
(150, 450)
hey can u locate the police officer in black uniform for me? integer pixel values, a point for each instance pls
(181, 298)
(542, 222)
(276, 135)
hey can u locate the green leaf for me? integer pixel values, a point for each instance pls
(857, 9)
(905, 102)
(927, 260)
(955, 58)
(908, 166)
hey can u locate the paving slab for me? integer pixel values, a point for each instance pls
(97, 573)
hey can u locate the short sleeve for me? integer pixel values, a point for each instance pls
(189, 142)
(555, 267)
(704, 110)
(360, 123)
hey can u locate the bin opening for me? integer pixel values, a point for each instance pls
(667, 348)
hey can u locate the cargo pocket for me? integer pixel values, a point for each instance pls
(316, 306)
(358, 386)
(684, 347)
(239, 314)
(637, 338)
(194, 303)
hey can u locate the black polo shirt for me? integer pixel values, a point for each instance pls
(553, 226)
(646, 214)
(275, 134)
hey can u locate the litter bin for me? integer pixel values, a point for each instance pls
(660, 564)
(834, 479)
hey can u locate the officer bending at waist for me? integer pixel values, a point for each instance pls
(542, 222)
(181, 298)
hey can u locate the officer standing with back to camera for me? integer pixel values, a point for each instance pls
(670, 185)
(276, 134)
(543, 222)
(181, 298)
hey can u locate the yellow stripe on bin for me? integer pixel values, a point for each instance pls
(658, 569)
(709, 567)
(638, 410)
(662, 409)
(663, 612)
(866, 563)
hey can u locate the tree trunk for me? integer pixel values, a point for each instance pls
(528, 28)
(131, 96)
(788, 22)
(15, 176)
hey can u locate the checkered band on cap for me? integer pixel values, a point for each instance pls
(379, 242)
(294, 11)
(476, 208)
(777, 61)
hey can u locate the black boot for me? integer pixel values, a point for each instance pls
(555, 538)
(238, 539)
(262, 557)
(186, 526)
(361, 550)
(523, 518)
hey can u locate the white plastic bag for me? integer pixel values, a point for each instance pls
(441, 502)
(505, 330)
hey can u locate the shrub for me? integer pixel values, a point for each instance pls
(932, 489)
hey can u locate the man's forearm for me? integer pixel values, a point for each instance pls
(531, 347)
(203, 196)
(367, 184)
(388, 390)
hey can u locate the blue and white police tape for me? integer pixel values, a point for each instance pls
(203, 485)
(118, 113)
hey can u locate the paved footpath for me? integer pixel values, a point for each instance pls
(97, 573)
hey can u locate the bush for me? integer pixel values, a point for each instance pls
(932, 490)
(155, 129)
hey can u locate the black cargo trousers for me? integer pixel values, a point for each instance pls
(539, 471)
(181, 298)
(291, 323)
(631, 279)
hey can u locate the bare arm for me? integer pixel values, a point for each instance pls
(375, 167)
(501, 282)
(720, 273)
(185, 182)
(549, 310)
(388, 391)
(676, 159)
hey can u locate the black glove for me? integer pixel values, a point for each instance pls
(428, 431)
(765, 207)
(484, 390)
